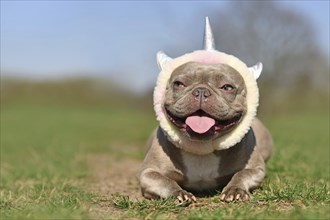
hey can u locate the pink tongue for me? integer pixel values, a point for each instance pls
(200, 124)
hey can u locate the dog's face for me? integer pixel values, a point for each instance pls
(205, 101)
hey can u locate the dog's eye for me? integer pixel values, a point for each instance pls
(227, 87)
(178, 85)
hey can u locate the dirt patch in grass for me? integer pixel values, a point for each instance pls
(112, 176)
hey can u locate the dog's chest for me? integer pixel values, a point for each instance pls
(201, 171)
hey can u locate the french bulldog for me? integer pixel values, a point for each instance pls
(209, 138)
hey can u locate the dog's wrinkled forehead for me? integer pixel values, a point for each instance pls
(201, 72)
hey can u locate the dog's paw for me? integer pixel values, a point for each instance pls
(185, 198)
(234, 194)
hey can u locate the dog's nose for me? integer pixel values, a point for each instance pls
(201, 93)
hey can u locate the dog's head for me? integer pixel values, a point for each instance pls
(205, 100)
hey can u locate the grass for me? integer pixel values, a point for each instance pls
(284, 201)
(45, 140)
(43, 149)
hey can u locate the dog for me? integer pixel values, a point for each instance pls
(209, 138)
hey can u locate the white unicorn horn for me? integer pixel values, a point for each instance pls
(208, 36)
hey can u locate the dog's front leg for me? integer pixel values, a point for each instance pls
(154, 185)
(241, 183)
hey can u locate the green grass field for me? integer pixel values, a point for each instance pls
(45, 140)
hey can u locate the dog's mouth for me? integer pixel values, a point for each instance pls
(202, 125)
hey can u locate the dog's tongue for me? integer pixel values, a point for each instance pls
(200, 124)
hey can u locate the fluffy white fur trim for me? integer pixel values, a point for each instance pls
(226, 141)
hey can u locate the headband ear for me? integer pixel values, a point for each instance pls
(256, 70)
(162, 59)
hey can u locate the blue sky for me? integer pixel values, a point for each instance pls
(119, 39)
